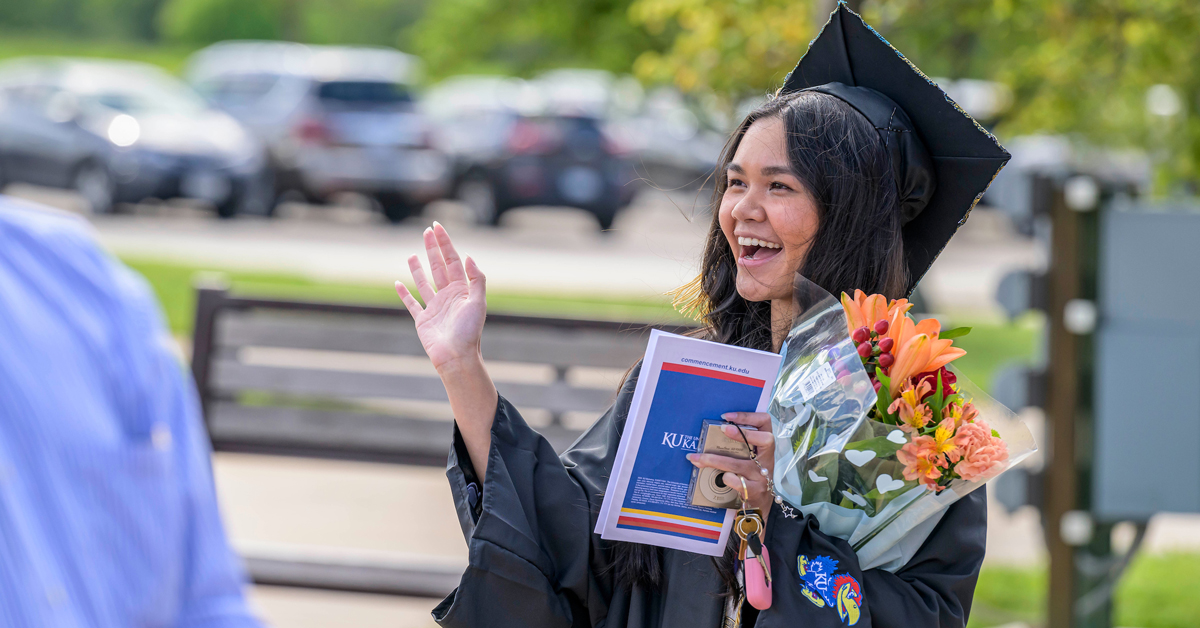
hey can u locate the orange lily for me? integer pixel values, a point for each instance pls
(930, 355)
(911, 357)
(864, 309)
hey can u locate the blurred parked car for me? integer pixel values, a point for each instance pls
(512, 147)
(122, 132)
(335, 119)
(671, 145)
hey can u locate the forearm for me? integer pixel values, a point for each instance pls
(473, 400)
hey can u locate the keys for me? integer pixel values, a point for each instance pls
(749, 527)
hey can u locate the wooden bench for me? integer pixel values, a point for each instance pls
(352, 382)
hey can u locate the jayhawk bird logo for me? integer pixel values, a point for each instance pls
(821, 586)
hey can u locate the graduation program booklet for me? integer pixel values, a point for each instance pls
(683, 382)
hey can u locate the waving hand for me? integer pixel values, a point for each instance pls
(451, 322)
(450, 326)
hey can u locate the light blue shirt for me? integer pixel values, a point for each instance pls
(108, 516)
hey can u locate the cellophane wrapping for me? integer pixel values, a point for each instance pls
(834, 463)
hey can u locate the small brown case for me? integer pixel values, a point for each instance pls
(706, 487)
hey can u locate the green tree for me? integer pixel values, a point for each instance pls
(1080, 67)
(523, 36)
(207, 21)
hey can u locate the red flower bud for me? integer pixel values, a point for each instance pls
(878, 384)
(862, 334)
(881, 326)
(864, 349)
(886, 360)
(948, 379)
(886, 345)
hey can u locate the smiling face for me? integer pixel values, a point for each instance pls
(767, 215)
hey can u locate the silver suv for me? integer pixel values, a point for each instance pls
(335, 119)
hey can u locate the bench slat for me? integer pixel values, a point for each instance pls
(230, 376)
(504, 342)
(409, 581)
(344, 435)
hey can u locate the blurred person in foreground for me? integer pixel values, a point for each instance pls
(108, 516)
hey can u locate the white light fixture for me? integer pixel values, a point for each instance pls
(124, 130)
(1163, 100)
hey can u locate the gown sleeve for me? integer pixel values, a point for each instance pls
(532, 558)
(934, 589)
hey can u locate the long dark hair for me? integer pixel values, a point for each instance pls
(840, 158)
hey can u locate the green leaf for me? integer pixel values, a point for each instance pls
(938, 401)
(883, 398)
(995, 433)
(957, 332)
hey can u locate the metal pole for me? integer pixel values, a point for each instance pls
(1061, 488)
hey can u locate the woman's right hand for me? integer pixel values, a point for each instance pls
(450, 324)
(450, 327)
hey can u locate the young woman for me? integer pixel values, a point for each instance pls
(814, 181)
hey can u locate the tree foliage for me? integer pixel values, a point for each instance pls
(1083, 67)
(726, 47)
(523, 36)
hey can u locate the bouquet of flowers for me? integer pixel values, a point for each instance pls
(875, 434)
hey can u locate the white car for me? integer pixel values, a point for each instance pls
(335, 119)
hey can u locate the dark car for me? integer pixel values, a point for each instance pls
(509, 151)
(123, 132)
(550, 160)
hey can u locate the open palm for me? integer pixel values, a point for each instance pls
(451, 322)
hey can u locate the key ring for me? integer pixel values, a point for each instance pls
(746, 535)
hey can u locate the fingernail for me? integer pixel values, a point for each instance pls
(692, 457)
(437, 224)
(729, 430)
(729, 416)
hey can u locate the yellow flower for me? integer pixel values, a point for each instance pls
(943, 440)
(914, 415)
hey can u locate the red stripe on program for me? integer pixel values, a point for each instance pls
(673, 527)
(702, 372)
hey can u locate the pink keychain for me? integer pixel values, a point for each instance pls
(758, 579)
(756, 561)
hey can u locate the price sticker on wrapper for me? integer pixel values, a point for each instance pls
(816, 381)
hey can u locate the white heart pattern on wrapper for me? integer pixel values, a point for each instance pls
(858, 499)
(896, 436)
(859, 457)
(886, 483)
(814, 477)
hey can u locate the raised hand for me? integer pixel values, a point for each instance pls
(451, 322)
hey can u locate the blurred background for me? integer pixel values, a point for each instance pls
(296, 149)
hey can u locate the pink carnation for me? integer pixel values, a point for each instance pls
(981, 452)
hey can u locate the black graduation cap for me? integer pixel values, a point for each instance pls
(943, 159)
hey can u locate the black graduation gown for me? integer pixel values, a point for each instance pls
(535, 561)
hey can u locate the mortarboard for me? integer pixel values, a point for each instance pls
(942, 158)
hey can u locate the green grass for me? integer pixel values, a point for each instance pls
(1159, 592)
(167, 56)
(173, 284)
(988, 345)
(991, 344)
(1156, 592)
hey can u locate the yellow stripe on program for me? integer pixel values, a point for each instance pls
(663, 514)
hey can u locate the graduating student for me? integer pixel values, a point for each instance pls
(855, 174)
